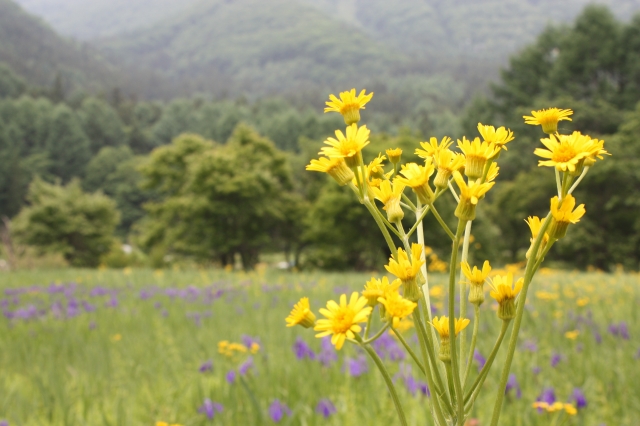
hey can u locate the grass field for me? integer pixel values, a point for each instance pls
(84, 347)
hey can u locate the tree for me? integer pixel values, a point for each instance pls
(66, 220)
(11, 86)
(67, 145)
(101, 124)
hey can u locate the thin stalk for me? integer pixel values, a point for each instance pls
(513, 340)
(382, 227)
(368, 327)
(472, 348)
(447, 366)
(463, 291)
(408, 201)
(477, 384)
(378, 334)
(566, 183)
(452, 333)
(422, 213)
(453, 191)
(403, 236)
(408, 348)
(441, 222)
(582, 175)
(558, 183)
(387, 379)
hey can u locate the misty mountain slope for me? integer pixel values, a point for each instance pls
(34, 50)
(257, 46)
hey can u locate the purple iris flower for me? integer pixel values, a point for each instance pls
(624, 330)
(277, 410)
(597, 336)
(614, 329)
(206, 366)
(88, 307)
(327, 355)
(113, 302)
(209, 408)
(477, 356)
(248, 341)
(4, 423)
(579, 398)
(387, 347)
(512, 384)
(356, 367)
(555, 359)
(231, 377)
(325, 407)
(302, 350)
(530, 345)
(245, 366)
(548, 395)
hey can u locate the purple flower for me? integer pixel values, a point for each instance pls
(512, 384)
(277, 410)
(387, 347)
(356, 367)
(530, 345)
(327, 355)
(548, 395)
(579, 398)
(536, 370)
(325, 407)
(477, 356)
(624, 330)
(555, 359)
(88, 307)
(4, 423)
(245, 366)
(206, 366)
(113, 302)
(597, 336)
(209, 408)
(231, 377)
(614, 329)
(248, 341)
(302, 350)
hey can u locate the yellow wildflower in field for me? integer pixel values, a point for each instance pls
(547, 296)
(116, 337)
(535, 224)
(159, 423)
(556, 406)
(562, 214)
(477, 278)
(548, 118)
(403, 325)
(396, 306)
(347, 146)
(390, 197)
(334, 167)
(229, 349)
(492, 173)
(583, 301)
(349, 105)
(573, 335)
(469, 196)
(407, 270)
(477, 154)
(499, 137)
(342, 319)
(301, 315)
(442, 327)
(394, 154)
(596, 151)
(447, 162)
(566, 152)
(417, 178)
(505, 292)
(377, 288)
(375, 169)
(431, 148)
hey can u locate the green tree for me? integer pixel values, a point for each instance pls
(11, 86)
(66, 220)
(67, 145)
(101, 124)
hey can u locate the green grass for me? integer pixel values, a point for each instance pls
(61, 371)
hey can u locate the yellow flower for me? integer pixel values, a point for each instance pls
(375, 168)
(565, 152)
(535, 224)
(573, 335)
(505, 293)
(492, 173)
(477, 154)
(548, 118)
(348, 147)
(477, 278)
(469, 196)
(349, 105)
(417, 178)
(431, 148)
(394, 154)
(396, 306)
(407, 270)
(442, 327)
(342, 319)
(116, 337)
(570, 409)
(375, 289)
(301, 315)
(499, 137)
(447, 162)
(596, 151)
(583, 301)
(390, 197)
(334, 167)
(563, 214)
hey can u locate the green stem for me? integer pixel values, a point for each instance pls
(382, 227)
(387, 379)
(566, 183)
(477, 384)
(422, 213)
(447, 366)
(441, 222)
(582, 175)
(366, 330)
(408, 201)
(463, 291)
(408, 348)
(558, 183)
(452, 329)
(381, 217)
(513, 340)
(378, 334)
(453, 191)
(476, 326)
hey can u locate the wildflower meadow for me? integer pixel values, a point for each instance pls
(139, 347)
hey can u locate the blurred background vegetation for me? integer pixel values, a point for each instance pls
(155, 132)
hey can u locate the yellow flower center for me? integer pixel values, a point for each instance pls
(343, 320)
(564, 153)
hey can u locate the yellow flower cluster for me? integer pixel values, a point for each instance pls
(230, 349)
(555, 407)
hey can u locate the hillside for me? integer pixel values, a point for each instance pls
(257, 47)
(33, 50)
